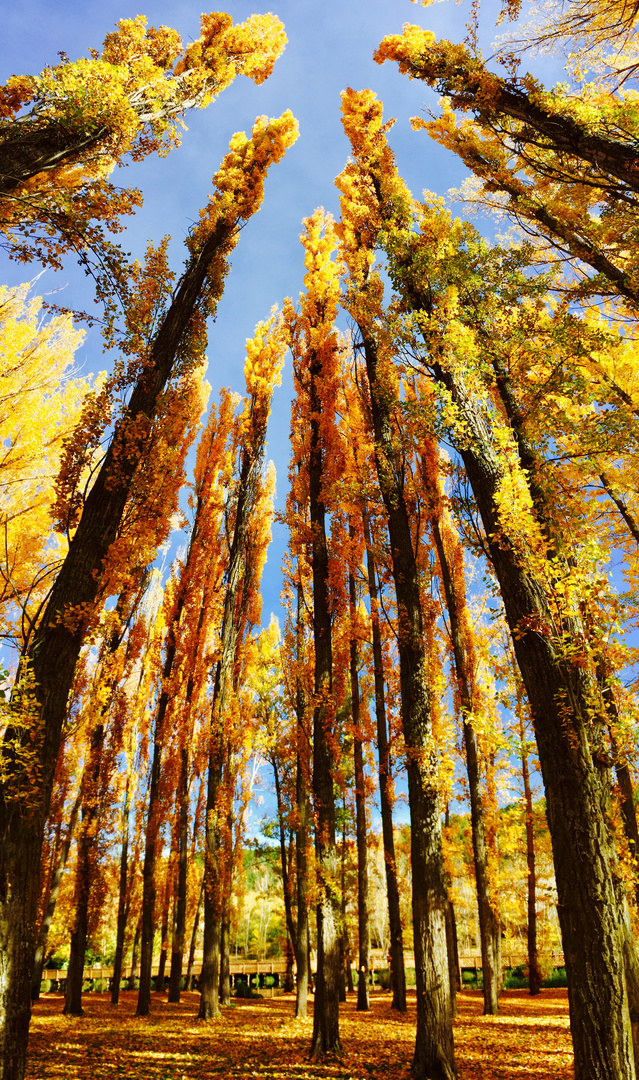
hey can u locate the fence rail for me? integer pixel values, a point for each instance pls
(378, 961)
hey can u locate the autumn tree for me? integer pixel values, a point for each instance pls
(523, 540)
(361, 222)
(62, 132)
(247, 511)
(315, 348)
(175, 347)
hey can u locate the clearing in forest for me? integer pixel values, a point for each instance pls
(529, 1039)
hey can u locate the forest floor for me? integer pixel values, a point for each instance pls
(529, 1039)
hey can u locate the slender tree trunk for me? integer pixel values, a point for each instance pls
(122, 892)
(287, 885)
(434, 1057)
(534, 971)
(326, 1038)
(84, 874)
(344, 944)
(302, 955)
(54, 890)
(363, 921)
(225, 950)
(179, 918)
(398, 976)
(135, 952)
(196, 924)
(160, 983)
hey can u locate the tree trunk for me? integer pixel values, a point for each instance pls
(134, 953)
(302, 955)
(434, 1057)
(54, 890)
(225, 951)
(84, 873)
(123, 910)
(398, 976)
(179, 911)
(188, 985)
(326, 1038)
(363, 921)
(160, 982)
(344, 944)
(534, 971)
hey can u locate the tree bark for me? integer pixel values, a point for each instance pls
(326, 1040)
(123, 907)
(179, 917)
(135, 952)
(534, 971)
(196, 923)
(434, 1057)
(84, 873)
(398, 976)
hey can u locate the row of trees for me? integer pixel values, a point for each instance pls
(480, 411)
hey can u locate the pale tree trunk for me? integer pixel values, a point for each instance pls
(398, 976)
(434, 1057)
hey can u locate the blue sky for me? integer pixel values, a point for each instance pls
(330, 47)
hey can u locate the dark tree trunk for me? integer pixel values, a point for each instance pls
(344, 943)
(363, 921)
(179, 910)
(453, 957)
(122, 897)
(225, 951)
(196, 924)
(54, 890)
(287, 884)
(84, 874)
(135, 953)
(398, 976)
(160, 982)
(534, 971)
(434, 1057)
(326, 1038)
(302, 826)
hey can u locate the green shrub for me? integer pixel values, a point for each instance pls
(100, 986)
(45, 986)
(515, 980)
(411, 977)
(557, 978)
(382, 978)
(246, 990)
(269, 980)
